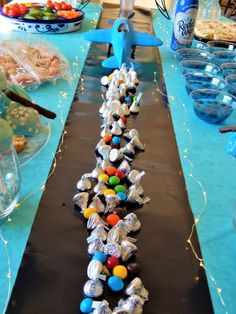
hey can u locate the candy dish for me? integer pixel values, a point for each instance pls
(193, 54)
(199, 66)
(212, 106)
(216, 45)
(231, 80)
(228, 68)
(60, 25)
(203, 81)
(223, 56)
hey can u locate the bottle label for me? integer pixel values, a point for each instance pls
(184, 26)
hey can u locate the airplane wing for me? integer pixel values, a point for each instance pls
(99, 35)
(143, 39)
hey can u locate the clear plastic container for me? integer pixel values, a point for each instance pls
(126, 7)
(9, 172)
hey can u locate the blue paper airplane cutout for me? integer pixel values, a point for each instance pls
(123, 37)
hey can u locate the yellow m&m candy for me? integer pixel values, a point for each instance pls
(109, 192)
(89, 211)
(120, 271)
(103, 177)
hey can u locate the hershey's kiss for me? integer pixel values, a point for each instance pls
(94, 220)
(137, 143)
(135, 176)
(102, 308)
(100, 187)
(128, 249)
(98, 204)
(119, 310)
(84, 184)
(95, 246)
(102, 108)
(115, 155)
(98, 233)
(132, 222)
(136, 288)
(125, 167)
(128, 149)
(130, 134)
(134, 198)
(96, 172)
(111, 202)
(138, 188)
(100, 144)
(113, 249)
(94, 270)
(81, 199)
(134, 304)
(105, 131)
(116, 130)
(134, 108)
(104, 151)
(93, 288)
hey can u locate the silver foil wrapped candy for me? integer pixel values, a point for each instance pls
(130, 134)
(100, 144)
(81, 199)
(99, 188)
(99, 233)
(134, 304)
(102, 308)
(118, 232)
(95, 246)
(138, 188)
(136, 287)
(134, 198)
(137, 143)
(115, 155)
(119, 310)
(94, 270)
(132, 222)
(104, 151)
(113, 249)
(112, 201)
(135, 176)
(84, 184)
(125, 167)
(94, 220)
(96, 172)
(128, 249)
(105, 131)
(128, 149)
(93, 288)
(98, 204)
(116, 129)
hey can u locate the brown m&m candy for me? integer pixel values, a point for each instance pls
(119, 212)
(134, 268)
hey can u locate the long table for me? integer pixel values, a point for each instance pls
(210, 177)
(53, 269)
(15, 230)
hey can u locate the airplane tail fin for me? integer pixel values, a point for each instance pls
(112, 63)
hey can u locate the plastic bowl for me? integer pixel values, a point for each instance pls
(228, 68)
(199, 66)
(203, 81)
(231, 81)
(223, 56)
(199, 45)
(212, 106)
(193, 54)
(216, 45)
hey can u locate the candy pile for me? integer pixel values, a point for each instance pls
(105, 197)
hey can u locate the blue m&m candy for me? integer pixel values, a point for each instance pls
(86, 305)
(102, 257)
(115, 283)
(122, 196)
(128, 100)
(116, 140)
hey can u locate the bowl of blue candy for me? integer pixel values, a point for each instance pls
(228, 68)
(199, 66)
(193, 54)
(216, 45)
(231, 80)
(223, 56)
(197, 80)
(212, 106)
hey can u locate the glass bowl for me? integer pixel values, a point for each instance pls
(199, 66)
(212, 106)
(203, 81)
(228, 68)
(223, 56)
(216, 45)
(193, 54)
(231, 81)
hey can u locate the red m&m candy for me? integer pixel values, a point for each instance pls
(120, 174)
(112, 262)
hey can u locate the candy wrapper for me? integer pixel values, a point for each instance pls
(118, 232)
(84, 184)
(113, 249)
(97, 203)
(136, 288)
(125, 167)
(99, 188)
(93, 288)
(95, 220)
(130, 134)
(99, 233)
(135, 176)
(134, 198)
(132, 223)
(112, 201)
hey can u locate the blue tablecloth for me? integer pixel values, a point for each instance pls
(15, 230)
(210, 176)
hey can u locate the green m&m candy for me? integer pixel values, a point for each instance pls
(114, 180)
(120, 188)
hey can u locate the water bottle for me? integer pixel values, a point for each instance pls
(9, 173)
(184, 22)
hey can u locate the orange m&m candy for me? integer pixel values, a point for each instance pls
(112, 219)
(110, 171)
(107, 138)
